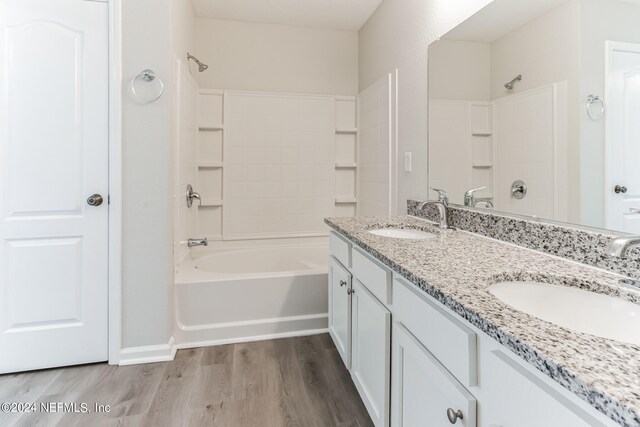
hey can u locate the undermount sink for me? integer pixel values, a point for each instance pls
(573, 308)
(403, 233)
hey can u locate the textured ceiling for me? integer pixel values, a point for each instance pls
(332, 14)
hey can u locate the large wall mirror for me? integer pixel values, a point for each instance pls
(537, 104)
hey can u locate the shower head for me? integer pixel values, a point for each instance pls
(201, 65)
(512, 82)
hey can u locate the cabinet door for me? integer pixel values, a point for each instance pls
(371, 351)
(340, 309)
(423, 390)
(513, 396)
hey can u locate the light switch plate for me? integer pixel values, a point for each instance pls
(407, 162)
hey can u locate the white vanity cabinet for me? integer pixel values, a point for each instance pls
(360, 323)
(424, 393)
(435, 353)
(340, 309)
(415, 363)
(371, 351)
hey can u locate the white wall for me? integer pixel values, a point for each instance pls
(396, 37)
(460, 70)
(601, 20)
(276, 58)
(146, 239)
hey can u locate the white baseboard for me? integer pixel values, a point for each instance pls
(290, 334)
(148, 354)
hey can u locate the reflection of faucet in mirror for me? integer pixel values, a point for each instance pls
(472, 201)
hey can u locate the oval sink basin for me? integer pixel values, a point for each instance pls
(576, 309)
(403, 233)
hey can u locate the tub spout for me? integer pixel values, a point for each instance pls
(197, 242)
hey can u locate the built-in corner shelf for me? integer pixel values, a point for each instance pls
(210, 165)
(346, 130)
(211, 128)
(346, 200)
(211, 203)
(481, 165)
(342, 165)
(481, 133)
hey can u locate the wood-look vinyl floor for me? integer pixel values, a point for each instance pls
(286, 382)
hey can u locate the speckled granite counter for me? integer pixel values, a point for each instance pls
(457, 267)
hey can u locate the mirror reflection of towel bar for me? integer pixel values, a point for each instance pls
(592, 99)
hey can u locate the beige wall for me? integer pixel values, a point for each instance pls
(545, 51)
(460, 70)
(396, 37)
(276, 58)
(146, 240)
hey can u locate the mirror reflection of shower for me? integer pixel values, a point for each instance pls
(510, 84)
(201, 65)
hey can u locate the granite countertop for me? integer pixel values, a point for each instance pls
(457, 267)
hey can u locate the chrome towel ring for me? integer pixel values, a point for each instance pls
(146, 76)
(595, 99)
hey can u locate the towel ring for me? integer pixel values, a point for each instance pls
(146, 76)
(592, 99)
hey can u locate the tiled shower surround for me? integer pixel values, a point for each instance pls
(571, 242)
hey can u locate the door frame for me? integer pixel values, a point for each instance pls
(610, 48)
(115, 182)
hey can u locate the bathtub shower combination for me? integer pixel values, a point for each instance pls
(265, 168)
(247, 294)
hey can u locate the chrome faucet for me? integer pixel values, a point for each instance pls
(442, 195)
(443, 220)
(197, 242)
(442, 204)
(471, 201)
(619, 246)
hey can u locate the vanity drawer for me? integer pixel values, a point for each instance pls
(374, 275)
(447, 338)
(340, 248)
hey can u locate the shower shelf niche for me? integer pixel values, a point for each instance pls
(210, 165)
(210, 162)
(346, 161)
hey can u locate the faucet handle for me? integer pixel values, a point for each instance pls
(469, 193)
(442, 194)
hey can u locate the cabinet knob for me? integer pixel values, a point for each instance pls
(619, 189)
(351, 291)
(343, 283)
(454, 416)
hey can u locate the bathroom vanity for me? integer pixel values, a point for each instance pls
(427, 343)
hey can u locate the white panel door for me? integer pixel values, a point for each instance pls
(623, 138)
(370, 352)
(53, 156)
(424, 393)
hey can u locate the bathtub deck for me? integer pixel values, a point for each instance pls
(285, 382)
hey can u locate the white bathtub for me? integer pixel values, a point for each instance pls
(249, 294)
